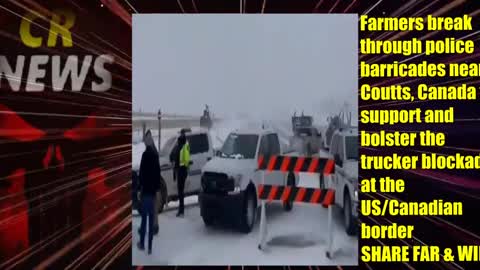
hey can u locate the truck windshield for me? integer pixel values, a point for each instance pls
(304, 131)
(239, 146)
(351, 143)
(168, 146)
(302, 121)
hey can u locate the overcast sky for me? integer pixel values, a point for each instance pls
(262, 65)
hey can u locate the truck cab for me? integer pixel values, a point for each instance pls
(344, 150)
(201, 151)
(231, 178)
(306, 140)
(304, 121)
(206, 120)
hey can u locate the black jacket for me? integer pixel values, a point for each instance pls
(149, 172)
(175, 154)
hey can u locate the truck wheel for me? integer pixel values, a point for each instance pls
(249, 211)
(288, 204)
(208, 217)
(208, 220)
(162, 196)
(350, 226)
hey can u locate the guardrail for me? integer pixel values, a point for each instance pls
(166, 123)
(155, 115)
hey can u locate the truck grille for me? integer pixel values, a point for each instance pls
(217, 183)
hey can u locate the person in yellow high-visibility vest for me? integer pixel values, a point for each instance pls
(184, 163)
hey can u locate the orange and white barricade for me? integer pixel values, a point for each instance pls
(325, 197)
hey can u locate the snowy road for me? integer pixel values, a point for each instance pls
(298, 237)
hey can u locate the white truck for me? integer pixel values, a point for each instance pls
(344, 150)
(231, 178)
(201, 151)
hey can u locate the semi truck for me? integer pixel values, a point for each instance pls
(206, 119)
(306, 138)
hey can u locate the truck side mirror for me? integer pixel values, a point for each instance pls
(338, 160)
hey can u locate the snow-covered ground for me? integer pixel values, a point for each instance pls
(298, 237)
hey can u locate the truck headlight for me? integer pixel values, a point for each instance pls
(237, 180)
(355, 194)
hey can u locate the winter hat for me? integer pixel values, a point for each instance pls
(148, 139)
(182, 139)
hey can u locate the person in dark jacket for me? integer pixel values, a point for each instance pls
(180, 157)
(149, 184)
(135, 190)
(182, 173)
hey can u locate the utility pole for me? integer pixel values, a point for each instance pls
(159, 129)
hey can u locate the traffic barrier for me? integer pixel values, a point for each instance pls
(297, 164)
(325, 197)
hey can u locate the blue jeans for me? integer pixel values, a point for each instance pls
(148, 210)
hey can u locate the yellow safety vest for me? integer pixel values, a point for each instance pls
(185, 155)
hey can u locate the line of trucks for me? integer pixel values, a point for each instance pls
(226, 179)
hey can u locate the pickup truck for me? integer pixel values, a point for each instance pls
(201, 151)
(344, 150)
(230, 179)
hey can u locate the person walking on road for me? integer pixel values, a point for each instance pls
(182, 163)
(149, 186)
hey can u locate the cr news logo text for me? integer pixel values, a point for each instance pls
(33, 72)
